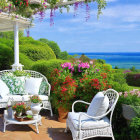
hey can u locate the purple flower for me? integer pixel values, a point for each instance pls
(126, 71)
(97, 69)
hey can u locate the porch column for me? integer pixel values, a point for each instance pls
(16, 65)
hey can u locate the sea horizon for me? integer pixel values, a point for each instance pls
(124, 60)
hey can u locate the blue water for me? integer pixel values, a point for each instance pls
(122, 60)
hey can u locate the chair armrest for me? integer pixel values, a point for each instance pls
(78, 101)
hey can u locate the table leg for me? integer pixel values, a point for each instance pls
(4, 126)
(37, 128)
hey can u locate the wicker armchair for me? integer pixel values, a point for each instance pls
(45, 98)
(84, 126)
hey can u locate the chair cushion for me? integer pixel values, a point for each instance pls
(43, 88)
(87, 123)
(99, 105)
(4, 90)
(19, 98)
(15, 84)
(43, 97)
(32, 85)
(16, 98)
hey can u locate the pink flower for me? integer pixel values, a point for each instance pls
(91, 62)
(125, 94)
(120, 93)
(66, 65)
(83, 65)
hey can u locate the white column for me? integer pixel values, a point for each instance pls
(16, 65)
(16, 44)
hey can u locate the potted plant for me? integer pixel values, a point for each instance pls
(35, 105)
(63, 92)
(130, 103)
(19, 108)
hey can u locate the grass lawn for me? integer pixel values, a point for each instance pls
(132, 87)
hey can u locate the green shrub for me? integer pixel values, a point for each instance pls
(10, 35)
(46, 67)
(133, 79)
(64, 55)
(54, 46)
(84, 58)
(100, 61)
(7, 42)
(6, 57)
(135, 128)
(120, 87)
(36, 50)
(24, 60)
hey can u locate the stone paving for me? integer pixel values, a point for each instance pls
(51, 129)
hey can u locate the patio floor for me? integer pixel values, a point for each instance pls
(51, 129)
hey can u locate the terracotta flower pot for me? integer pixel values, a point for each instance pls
(62, 114)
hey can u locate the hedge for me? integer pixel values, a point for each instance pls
(46, 67)
(37, 52)
(54, 46)
(6, 57)
(24, 60)
(133, 79)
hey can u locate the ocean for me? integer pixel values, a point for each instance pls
(121, 60)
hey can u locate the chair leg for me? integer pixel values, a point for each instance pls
(51, 110)
(113, 137)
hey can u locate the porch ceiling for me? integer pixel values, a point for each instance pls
(7, 22)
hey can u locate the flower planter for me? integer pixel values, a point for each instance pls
(128, 112)
(35, 107)
(62, 114)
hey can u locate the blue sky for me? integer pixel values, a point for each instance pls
(117, 29)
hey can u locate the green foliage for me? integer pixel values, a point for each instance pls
(21, 73)
(64, 55)
(54, 46)
(25, 61)
(120, 87)
(84, 58)
(119, 81)
(130, 98)
(46, 67)
(10, 35)
(116, 67)
(6, 57)
(8, 42)
(36, 50)
(100, 61)
(133, 69)
(133, 79)
(135, 128)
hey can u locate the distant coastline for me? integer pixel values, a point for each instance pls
(119, 59)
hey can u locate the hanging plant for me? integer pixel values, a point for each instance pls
(27, 8)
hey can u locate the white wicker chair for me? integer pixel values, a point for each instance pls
(46, 103)
(97, 126)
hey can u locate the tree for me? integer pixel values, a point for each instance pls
(64, 55)
(54, 46)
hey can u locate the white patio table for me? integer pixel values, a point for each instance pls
(8, 121)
